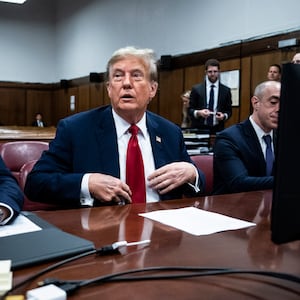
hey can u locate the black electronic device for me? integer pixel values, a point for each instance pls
(285, 214)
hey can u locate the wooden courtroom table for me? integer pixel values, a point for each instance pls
(250, 248)
(21, 133)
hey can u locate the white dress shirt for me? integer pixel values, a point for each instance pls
(260, 134)
(123, 137)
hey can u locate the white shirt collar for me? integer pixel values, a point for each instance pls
(122, 126)
(259, 132)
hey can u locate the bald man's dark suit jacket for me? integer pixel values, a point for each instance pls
(239, 163)
(198, 101)
(10, 192)
(87, 142)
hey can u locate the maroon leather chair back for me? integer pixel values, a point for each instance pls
(15, 154)
(28, 204)
(205, 163)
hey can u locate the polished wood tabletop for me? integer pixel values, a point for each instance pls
(247, 249)
(21, 133)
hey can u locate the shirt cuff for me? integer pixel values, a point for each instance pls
(85, 196)
(196, 185)
(10, 215)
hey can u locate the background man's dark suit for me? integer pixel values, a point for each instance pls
(83, 145)
(198, 101)
(239, 163)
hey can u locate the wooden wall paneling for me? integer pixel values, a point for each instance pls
(83, 99)
(170, 89)
(105, 95)
(39, 101)
(96, 95)
(230, 65)
(245, 86)
(192, 76)
(235, 118)
(154, 104)
(12, 106)
(260, 66)
(287, 55)
(61, 103)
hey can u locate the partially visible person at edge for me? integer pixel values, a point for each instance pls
(274, 72)
(186, 120)
(199, 110)
(85, 163)
(11, 196)
(239, 150)
(296, 59)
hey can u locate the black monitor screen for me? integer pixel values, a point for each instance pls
(285, 215)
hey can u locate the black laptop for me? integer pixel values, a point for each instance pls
(50, 243)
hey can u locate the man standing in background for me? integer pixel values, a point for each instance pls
(274, 72)
(210, 101)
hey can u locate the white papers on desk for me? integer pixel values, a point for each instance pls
(20, 225)
(196, 221)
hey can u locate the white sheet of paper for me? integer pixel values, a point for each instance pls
(20, 225)
(196, 221)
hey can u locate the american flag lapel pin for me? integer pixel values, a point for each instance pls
(158, 139)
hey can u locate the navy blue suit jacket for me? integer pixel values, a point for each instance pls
(10, 192)
(87, 142)
(198, 101)
(239, 163)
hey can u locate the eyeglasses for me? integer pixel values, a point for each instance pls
(297, 62)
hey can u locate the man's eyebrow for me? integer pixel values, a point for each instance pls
(273, 97)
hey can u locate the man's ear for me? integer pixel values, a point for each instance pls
(255, 102)
(153, 89)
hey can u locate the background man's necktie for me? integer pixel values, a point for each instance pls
(211, 105)
(135, 176)
(269, 155)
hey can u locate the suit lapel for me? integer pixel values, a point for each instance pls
(254, 148)
(157, 141)
(106, 138)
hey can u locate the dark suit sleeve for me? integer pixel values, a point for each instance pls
(238, 166)
(197, 102)
(10, 192)
(54, 179)
(171, 148)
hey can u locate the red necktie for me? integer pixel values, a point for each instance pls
(135, 176)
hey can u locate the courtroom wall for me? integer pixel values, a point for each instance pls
(48, 40)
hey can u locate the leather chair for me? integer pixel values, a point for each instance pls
(15, 154)
(28, 204)
(205, 163)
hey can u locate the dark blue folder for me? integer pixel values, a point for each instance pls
(50, 243)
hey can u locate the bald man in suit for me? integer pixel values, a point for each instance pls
(240, 162)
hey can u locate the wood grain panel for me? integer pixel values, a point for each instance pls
(12, 106)
(170, 89)
(83, 101)
(39, 101)
(96, 95)
(193, 75)
(245, 94)
(260, 65)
